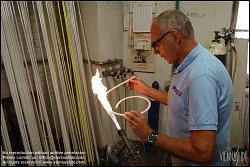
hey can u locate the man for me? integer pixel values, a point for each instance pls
(199, 98)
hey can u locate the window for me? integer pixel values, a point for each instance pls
(242, 25)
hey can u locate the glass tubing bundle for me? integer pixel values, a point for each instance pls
(57, 29)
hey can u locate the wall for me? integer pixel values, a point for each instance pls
(103, 28)
(110, 42)
(89, 11)
(207, 17)
(239, 87)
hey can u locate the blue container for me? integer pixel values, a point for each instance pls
(153, 117)
(153, 113)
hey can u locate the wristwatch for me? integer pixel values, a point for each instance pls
(152, 138)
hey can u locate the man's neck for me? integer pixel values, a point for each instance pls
(188, 45)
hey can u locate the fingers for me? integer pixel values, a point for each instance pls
(135, 119)
(133, 80)
(134, 116)
(130, 115)
(130, 83)
(129, 86)
(138, 124)
(132, 124)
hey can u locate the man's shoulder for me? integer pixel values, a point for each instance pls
(206, 64)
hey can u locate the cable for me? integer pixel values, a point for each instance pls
(235, 62)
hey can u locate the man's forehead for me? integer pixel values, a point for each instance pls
(155, 26)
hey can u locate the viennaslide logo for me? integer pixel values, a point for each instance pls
(233, 156)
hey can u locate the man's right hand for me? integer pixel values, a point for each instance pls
(138, 86)
(141, 87)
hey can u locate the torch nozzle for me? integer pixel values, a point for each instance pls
(130, 149)
(125, 140)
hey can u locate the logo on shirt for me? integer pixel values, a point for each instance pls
(178, 92)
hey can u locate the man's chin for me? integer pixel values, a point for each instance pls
(169, 61)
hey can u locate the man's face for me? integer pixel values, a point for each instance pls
(163, 44)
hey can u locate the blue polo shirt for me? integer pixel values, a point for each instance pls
(200, 98)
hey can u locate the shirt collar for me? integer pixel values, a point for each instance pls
(188, 59)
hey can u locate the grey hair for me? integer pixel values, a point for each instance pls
(174, 19)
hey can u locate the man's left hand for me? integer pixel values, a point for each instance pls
(139, 124)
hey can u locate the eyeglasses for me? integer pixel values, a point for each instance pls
(158, 40)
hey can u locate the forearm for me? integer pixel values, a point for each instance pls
(183, 148)
(158, 95)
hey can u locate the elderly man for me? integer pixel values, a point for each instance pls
(199, 99)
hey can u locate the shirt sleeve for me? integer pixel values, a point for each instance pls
(203, 114)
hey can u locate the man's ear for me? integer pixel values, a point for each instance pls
(178, 40)
(177, 36)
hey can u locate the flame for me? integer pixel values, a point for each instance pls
(101, 91)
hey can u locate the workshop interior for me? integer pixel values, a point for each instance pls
(65, 66)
